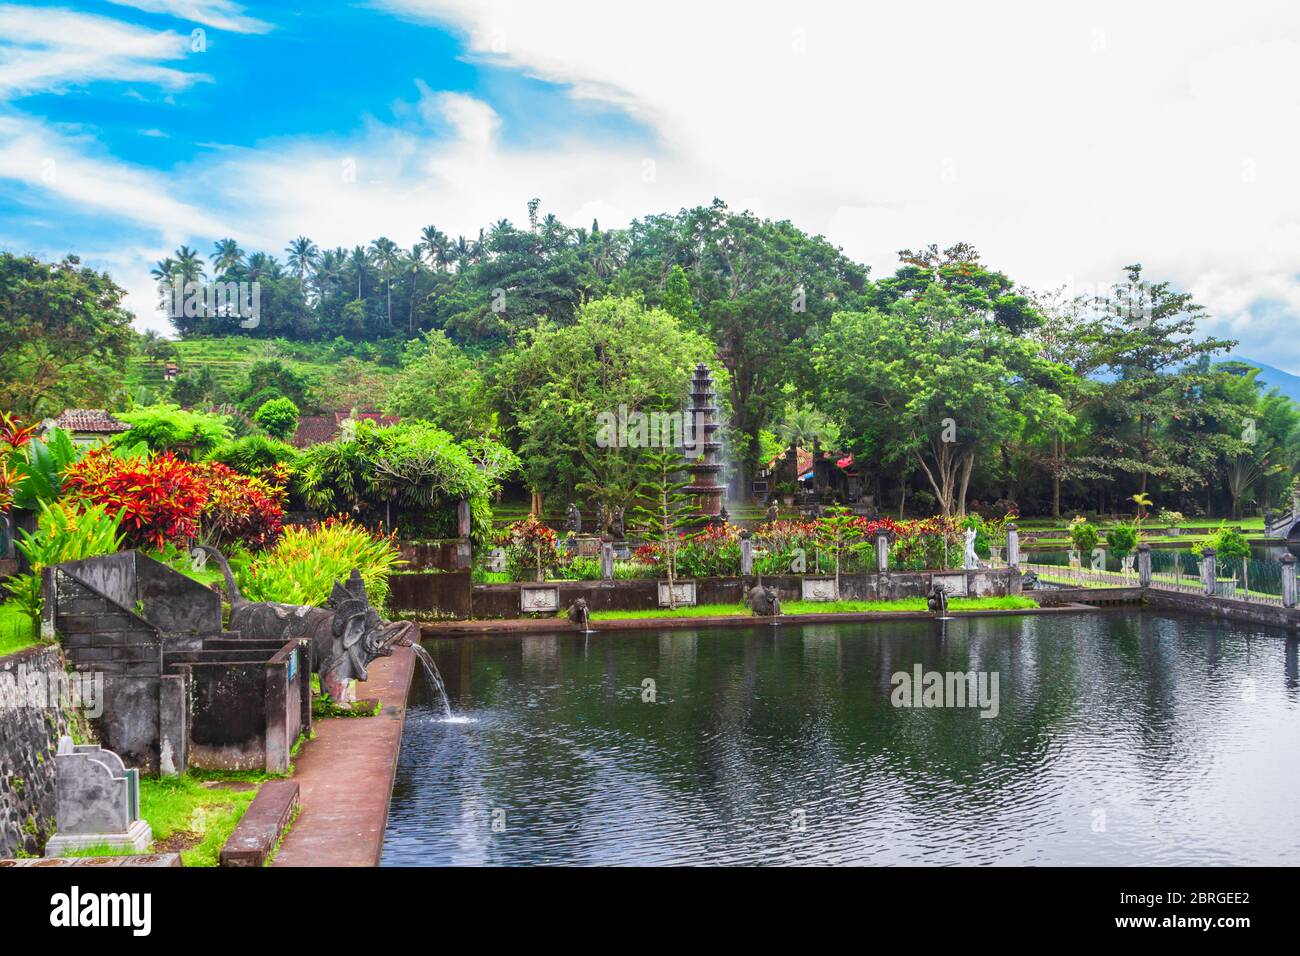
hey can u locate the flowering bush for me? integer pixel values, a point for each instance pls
(240, 509)
(307, 560)
(531, 548)
(158, 498)
(930, 543)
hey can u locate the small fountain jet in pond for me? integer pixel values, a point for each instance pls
(938, 603)
(580, 615)
(764, 602)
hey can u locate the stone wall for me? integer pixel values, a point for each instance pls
(442, 594)
(29, 737)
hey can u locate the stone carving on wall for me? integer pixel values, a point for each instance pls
(345, 636)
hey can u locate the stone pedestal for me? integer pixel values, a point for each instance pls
(1209, 571)
(1013, 546)
(607, 561)
(97, 801)
(882, 552)
(746, 557)
(1288, 580)
(1144, 565)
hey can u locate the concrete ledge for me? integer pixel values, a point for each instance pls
(552, 624)
(263, 824)
(1273, 615)
(145, 859)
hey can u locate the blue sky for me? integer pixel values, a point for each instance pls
(1064, 143)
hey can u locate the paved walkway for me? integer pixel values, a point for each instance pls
(345, 775)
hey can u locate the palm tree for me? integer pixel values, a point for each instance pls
(302, 256)
(329, 271)
(413, 265)
(164, 270)
(385, 252)
(226, 255)
(461, 252)
(259, 264)
(359, 261)
(189, 265)
(434, 242)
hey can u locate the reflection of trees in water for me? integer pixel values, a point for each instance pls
(791, 712)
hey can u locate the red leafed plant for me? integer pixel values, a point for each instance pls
(241, 509)
(160, 498)
(13, 433)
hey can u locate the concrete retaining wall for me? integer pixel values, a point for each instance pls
(451, 595)
(29, 737)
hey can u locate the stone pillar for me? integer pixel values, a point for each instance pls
(1288, 580)
(1013, 546)
(607, 561)
(746, 556)
(462, 518)
(1209, 572)
(1144, 565)
(882, 552)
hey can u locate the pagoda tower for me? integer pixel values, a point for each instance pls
(704, 467)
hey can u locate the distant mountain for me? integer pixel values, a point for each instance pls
(1284, 382)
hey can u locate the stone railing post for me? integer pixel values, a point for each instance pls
(1209, 573)
(607, 561)
(1013, 546)
(746, 556)
(1288, 580)
(1144, 565)
(462, 518)
(882, 552)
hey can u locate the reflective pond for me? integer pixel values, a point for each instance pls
(1112, 738)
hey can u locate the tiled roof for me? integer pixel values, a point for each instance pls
(90, 420)
(315, 429)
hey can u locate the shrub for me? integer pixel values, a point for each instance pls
(279, 416)
(65, 531)
(255, 455)
(190, 435)
(158, 498)
(1226, 542)
(1083, 534)
(240, 509)
(306, 561)
(1122, 539)
(531, 548)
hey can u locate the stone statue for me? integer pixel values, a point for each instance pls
(1029, 580)
(602, 519)
(345, 636)
(619, 528)
(579, 614)
(971, 558)
(763, 602)
(723, 516)
(937, 601)
(772, 513)
(575, 519)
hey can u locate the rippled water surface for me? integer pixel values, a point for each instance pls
(1120, 738)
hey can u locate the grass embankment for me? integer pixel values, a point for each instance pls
(16, 629)
(187, 816)
(1010, 603)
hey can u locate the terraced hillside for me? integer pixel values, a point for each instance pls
(230, 357)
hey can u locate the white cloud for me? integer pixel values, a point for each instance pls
(221, 14)
(1064, 144)
(50, 49)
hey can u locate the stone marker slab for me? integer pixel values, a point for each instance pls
(539, 598)
(818, 589)
(954, 584)
(264, 822)
(684, 591)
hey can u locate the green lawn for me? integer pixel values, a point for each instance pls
(1013, 602)
(16, 629)
(183, 812)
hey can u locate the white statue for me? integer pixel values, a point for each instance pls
(972, 561)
